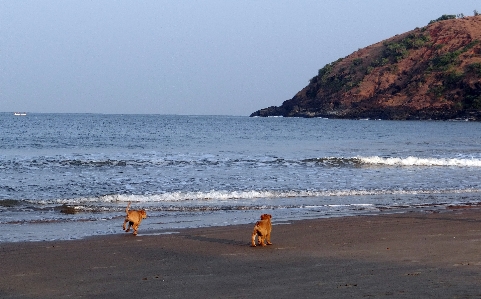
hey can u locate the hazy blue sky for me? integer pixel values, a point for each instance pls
(186, 57)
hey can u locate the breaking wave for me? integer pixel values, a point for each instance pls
(223, 196)
(416, 161)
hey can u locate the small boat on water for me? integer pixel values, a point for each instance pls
(20, 113)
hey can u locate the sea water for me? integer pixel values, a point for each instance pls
(69, 176)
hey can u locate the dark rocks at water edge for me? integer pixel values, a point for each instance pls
(433, 72)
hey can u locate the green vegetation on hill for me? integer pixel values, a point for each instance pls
(396, 51)
(443, 18)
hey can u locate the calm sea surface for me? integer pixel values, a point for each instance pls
(68, 176)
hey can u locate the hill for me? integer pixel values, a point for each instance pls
(433, 72)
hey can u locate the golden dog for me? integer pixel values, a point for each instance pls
(262, 229)
(134, 218)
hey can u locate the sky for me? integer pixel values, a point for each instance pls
(210, 57)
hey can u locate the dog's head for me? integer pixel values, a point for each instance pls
(266, 217)
(143, 214)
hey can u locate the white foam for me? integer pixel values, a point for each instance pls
(416, 161)
(225, 196)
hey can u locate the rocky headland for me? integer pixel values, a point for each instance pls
(433, 72)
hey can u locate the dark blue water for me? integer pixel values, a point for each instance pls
(190, 171)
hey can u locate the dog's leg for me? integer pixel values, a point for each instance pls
(125, 221)
(262, 240)
(259, 239)
(268, 239)
(136, 227)
(253, 243)
(128, 227)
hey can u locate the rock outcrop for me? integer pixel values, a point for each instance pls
(433, 72)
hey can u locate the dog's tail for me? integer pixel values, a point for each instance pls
(127, 208)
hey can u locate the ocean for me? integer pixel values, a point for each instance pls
(70, 176)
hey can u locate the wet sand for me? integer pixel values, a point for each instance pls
(410, 255)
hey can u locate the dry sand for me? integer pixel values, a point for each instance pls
(411, 255)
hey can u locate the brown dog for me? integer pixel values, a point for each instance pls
(262, 229)
(134, 218)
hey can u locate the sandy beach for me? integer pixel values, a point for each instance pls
(411, 255)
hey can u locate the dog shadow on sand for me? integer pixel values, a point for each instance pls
(262, 230)
(215, 240)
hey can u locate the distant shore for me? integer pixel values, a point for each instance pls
(410, 255)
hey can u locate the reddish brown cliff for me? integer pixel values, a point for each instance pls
(432, 72)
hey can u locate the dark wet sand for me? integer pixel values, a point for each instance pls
(411, 255)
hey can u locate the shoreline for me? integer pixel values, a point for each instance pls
(405, 255)
(50, 227)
